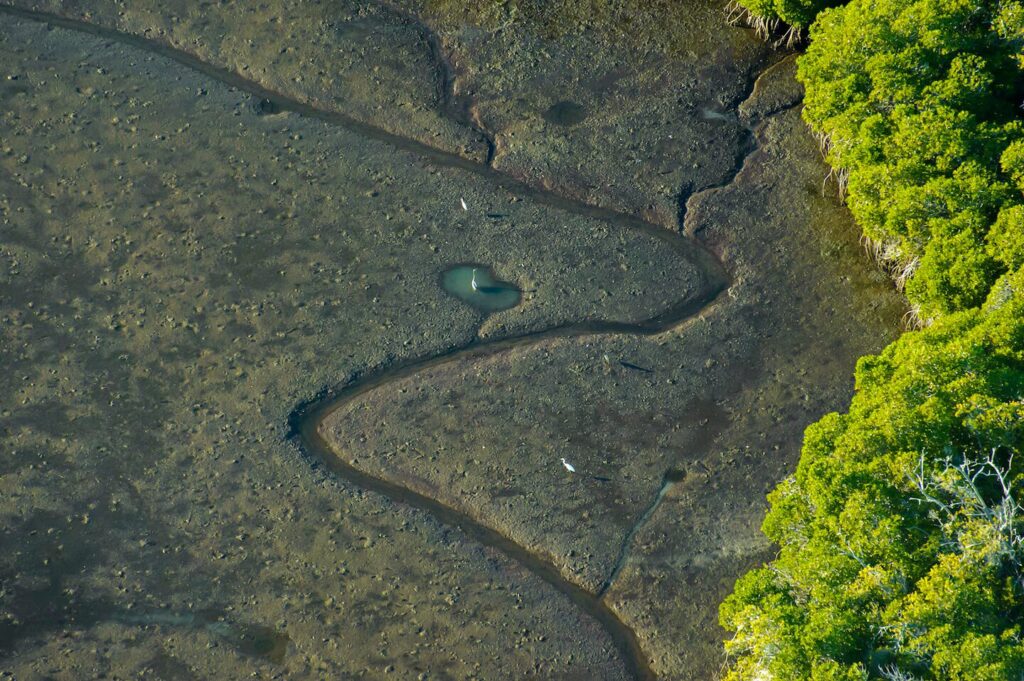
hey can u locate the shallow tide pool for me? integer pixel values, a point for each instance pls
(476, 285)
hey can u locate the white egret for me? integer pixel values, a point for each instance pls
(463, 202)
(568, 466)
(472, 282)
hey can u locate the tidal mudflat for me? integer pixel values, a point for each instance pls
(195, 265)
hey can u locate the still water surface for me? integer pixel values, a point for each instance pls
(476, 285)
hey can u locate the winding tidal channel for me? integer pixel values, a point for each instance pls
(305, 421)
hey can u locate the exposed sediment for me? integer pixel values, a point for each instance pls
(314, 423)
(307, 419)
(309, 425)
(647, 120)
(501, 341)
(177, 267)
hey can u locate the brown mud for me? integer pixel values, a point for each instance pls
(613, 585)
(307, 419)
(308, 425)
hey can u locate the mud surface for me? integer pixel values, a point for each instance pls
(359, 58)
(203, 259)
(622, 103)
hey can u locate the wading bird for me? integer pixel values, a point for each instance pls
(472, 282)
(463, 202)
(568, 466)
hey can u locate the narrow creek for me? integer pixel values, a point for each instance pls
(305, 421)
(304, 427)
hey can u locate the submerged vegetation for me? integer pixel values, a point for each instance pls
(901, 534)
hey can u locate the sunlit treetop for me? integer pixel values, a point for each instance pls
(918, 102)
(901, 541)
(901, 535)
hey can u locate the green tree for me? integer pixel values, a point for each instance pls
(918, 102)
(901, 538)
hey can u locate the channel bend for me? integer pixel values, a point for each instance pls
(305, 421)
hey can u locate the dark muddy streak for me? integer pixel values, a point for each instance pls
(670, 478)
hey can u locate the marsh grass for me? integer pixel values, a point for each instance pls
(900, 267)
(738, 15)
(768, 29)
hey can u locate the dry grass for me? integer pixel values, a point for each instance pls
(900, 267)
(890, 256)
(824, 142)
(738, 15)
(905, 272)
(883, 252)
(913, 321)
(793, 36)
(764, 27)
(841, 177)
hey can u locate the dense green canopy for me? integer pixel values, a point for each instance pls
(919, 102)
(901, 538)
(900, 548)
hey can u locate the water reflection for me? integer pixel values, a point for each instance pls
(476, 285)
